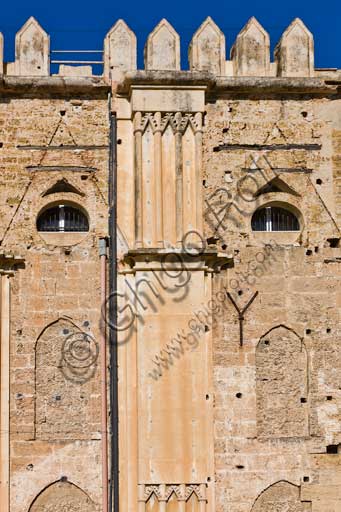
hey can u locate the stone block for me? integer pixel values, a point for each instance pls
(75, 70)
(162, 51)
(294, 52)
(251, 51)
(207, 49)
(119, 49)
(32, 49)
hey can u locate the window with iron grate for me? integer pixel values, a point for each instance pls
(62, 218)
(274, 218)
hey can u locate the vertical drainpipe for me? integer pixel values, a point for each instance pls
(104, 401)
(112, 314)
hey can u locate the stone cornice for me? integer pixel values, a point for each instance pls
(231, 85)
(54, 86)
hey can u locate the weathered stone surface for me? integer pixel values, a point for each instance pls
(32, 50)
(251, 51)
(162, 50)
(65, 70)
(282, 384)
(282, 497)
(295, 51)
(207, 49)
(62, 497)
(119, 49)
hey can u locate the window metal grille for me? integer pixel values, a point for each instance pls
(63, 218)
(274, 218)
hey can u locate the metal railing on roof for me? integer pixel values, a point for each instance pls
(77, 61)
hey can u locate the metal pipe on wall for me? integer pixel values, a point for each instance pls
(112, 313)
(104, 402)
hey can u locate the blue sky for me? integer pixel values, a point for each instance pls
(76, 24)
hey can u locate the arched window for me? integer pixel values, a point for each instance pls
(63, 218)
(274, 218)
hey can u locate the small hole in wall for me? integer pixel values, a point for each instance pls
(63, 479)
(1, 144)
(308, 331)
(38, 67)
(319, 181)
(29, 467)
(84, 177)
(224, 247)
(62, 112)
(316, 249)
(309, 252)
(333, 242)
(207, 397)
(240, 466)
(240, 292)
(207, 328)
(204, 182)
(328, 330)
(208, 478)
(329, 398)
(266, 342)
(332, 448)
(229, 109)
(119, 141)
(86, 323)
(239, 395)
(225, 130)
(304, 113)
(303, 400)
(306, 479)
(66, 331)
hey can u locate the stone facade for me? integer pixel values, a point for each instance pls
(228, 342)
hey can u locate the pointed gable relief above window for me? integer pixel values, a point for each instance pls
(276, 185)
(62, 186)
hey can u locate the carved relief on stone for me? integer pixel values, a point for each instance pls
(207, 50)
(251, 51)
(153, 495)
(282, 385)
(32, 50)
(160, 121)
(119, 49)
(162, 51)
(295, 51)
(62, 497)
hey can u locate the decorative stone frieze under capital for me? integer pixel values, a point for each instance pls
(168, 162)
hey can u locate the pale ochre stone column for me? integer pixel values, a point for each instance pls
(158, 178)
(4, 392)
(198, 168)
(179, 178)
(138, 179)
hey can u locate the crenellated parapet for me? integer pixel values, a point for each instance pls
(207, 51)
(249, 54)
(119, 49)
(1, 53)
(295, 51)
(251, 51)
(162, 50)
(32, 50)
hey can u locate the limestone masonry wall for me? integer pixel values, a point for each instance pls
(229, 357)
